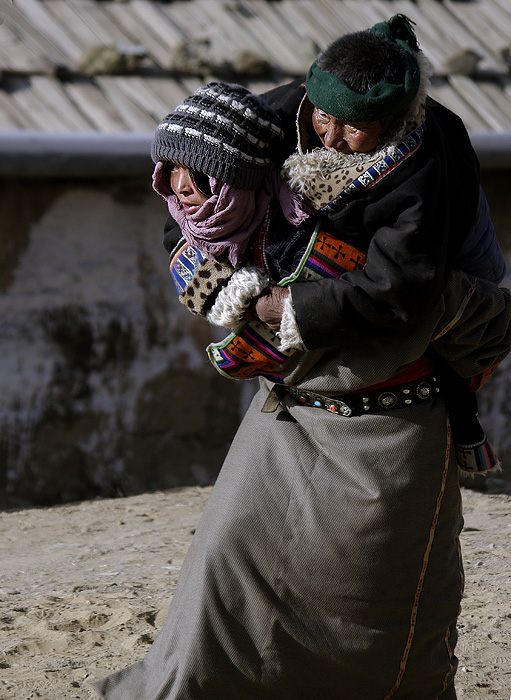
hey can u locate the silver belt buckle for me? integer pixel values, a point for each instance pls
(340, 407)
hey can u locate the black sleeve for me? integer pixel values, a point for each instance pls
(415, 220)
(171, 234)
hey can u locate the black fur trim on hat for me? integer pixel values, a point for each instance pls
(221, 130)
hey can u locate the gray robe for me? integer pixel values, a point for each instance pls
(326, 563)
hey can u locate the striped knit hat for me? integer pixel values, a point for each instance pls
(223, 131)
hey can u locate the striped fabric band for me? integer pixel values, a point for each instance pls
(253, 350)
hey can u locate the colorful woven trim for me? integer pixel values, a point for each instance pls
(379, 169)
(253, 350)
(326, 256)
(184, 261)
(476, 459)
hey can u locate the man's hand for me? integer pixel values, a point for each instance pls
(270, 306)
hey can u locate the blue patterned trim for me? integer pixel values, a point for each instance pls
(184, 260)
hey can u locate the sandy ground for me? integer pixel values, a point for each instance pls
(84, 588)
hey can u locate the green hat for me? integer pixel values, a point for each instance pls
(331, 94)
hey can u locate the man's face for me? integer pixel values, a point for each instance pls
(348, 137)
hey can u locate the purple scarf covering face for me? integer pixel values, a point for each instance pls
(226, 221)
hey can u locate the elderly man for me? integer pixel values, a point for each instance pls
(397, 178)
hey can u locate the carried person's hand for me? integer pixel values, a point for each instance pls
(269, 307)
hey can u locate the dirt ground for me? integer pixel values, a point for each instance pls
(84, 588)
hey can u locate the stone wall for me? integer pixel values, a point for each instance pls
(105, 385)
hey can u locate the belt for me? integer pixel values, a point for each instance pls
(371, 401)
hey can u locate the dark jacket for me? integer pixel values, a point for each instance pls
(412, 225)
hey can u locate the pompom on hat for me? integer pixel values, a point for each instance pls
(331, 94)
(223, 131)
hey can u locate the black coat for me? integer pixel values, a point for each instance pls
(411, 224)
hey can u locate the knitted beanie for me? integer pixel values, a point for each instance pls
(223, 131)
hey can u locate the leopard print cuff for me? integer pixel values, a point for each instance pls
(209, 278)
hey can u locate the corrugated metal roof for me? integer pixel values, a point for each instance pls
(163, 50)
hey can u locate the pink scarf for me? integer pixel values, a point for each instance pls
(226, 221)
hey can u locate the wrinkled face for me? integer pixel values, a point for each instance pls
(185, 189)
(348, 137)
